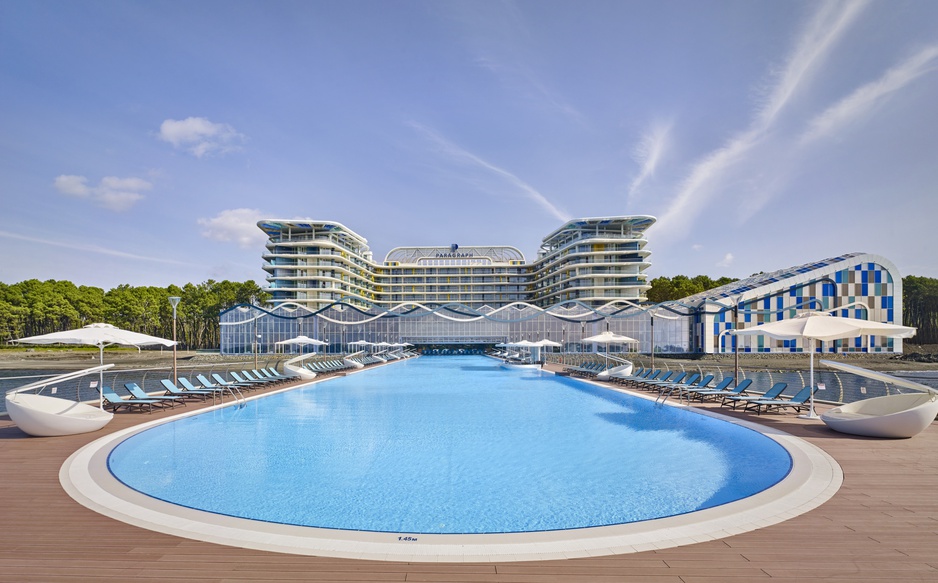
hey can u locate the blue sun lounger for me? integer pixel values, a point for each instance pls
(173, 390)
(702, 388)
(139, 394)
(772, 393)
(736, 391)
(187, 385)
(115, 401)
(798, 402)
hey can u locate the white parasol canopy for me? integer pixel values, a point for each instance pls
(547, 342)
(302, 340)
(99, 335)
(823, 326)
(608, 338)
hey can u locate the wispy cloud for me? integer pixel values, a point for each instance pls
(200, 137)
(817, 39)
(866, 98)
(460, 156)
(112, 193)
(93, 249)
(726, 261)
(648, 153)
(499, 40)
(705, 179)
(237, 226)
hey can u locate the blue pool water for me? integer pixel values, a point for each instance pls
(449, 445)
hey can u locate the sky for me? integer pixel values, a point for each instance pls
(140, 142)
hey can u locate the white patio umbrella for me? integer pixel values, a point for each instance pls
(608, 338)
(813, 326)
(301, 341)
(99, 335)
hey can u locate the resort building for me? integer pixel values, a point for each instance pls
(589, 276)
(593, 261)
(858, 285)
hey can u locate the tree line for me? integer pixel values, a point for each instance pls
(33, 307)
(920, 308)
(664, 289)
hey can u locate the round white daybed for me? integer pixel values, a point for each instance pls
(43, 416)
(893, 416)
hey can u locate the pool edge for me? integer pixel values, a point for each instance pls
(814, 478)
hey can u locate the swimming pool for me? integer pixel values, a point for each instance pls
(450, 445)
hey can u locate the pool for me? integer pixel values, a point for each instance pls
(450, 445)
(451, 459)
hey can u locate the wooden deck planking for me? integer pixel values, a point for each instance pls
(881, 525)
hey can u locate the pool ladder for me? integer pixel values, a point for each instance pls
(664, 394)
(236, 394)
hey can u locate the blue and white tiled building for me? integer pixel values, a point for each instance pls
(859, 285)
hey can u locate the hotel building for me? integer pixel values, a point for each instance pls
(593, 260)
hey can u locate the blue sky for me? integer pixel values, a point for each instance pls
(141, 141)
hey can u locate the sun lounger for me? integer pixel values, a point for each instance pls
(262, 382)
(798, 402)
(273, 373)
(667, 378)
(187, 385)
(226, 383)
(173, 390)
(247, 382)
(648, 375)
(702, 388)
(772, 393)
(115, 401)
(738, 390)
(139, 394)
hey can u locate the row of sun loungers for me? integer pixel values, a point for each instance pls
(203, 388)
(691, 386)
(186, 390)
(590, 369)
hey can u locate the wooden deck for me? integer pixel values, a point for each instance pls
(881, 526)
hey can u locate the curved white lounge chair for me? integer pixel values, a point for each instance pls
(895, 416)
(44, 416)
(890, 416)
(621, 371)
(293, 369)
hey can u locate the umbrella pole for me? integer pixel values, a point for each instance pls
(101, 377)
(811, 414)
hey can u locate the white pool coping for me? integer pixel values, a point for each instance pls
(814, 478)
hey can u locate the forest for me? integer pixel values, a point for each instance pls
(34, 307)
